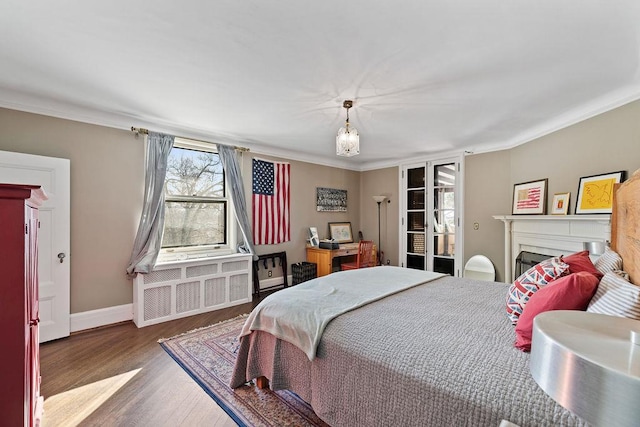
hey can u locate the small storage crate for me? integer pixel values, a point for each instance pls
(303, 271)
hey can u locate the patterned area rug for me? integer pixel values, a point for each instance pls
(208, 355)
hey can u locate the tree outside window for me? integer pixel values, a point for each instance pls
(195, 200)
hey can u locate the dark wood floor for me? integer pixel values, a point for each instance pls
(120, 376)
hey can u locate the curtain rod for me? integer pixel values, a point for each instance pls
(146, 132)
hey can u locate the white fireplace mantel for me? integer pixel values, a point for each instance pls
(552, 235)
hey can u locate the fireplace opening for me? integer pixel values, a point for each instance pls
(525, 260)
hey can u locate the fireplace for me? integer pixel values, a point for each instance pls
(525, 260)
(550, 235)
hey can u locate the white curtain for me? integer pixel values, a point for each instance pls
(149, 238)
(231, 167)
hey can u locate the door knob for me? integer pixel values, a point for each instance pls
(61, 256)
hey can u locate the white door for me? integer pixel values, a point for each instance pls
(53, 174)
(444, 230)
(431, 224)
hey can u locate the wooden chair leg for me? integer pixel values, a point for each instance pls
(262, 382)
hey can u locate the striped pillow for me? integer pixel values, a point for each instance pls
(616, 297)
(608, 261)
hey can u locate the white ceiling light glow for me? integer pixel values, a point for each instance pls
(449, 82)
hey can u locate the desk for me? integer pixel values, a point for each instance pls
(324, 257)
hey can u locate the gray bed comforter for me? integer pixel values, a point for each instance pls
(440, 354)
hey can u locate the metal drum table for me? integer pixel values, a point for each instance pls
(590, 364)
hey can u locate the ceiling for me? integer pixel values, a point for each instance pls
(427, 77)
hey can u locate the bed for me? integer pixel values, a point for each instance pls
(439, 353)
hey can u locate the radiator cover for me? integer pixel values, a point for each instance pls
(184, 288)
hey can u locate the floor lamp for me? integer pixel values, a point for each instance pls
(379, 200)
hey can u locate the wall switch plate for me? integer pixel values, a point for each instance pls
(270, 273)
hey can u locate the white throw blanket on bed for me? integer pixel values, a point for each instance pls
(299, 314)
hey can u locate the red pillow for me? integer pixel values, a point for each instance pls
(580, 261)
(572, 292)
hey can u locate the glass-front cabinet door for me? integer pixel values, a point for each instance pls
(415, 218)
(443, 212)
(430, 218)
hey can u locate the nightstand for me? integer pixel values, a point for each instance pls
(588, 363)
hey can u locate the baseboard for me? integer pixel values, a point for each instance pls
(101, 317)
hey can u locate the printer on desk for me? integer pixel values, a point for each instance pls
(329, 244)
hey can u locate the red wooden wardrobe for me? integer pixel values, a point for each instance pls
(20, 401)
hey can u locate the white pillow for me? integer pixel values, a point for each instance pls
(616, 297)
(608, 261)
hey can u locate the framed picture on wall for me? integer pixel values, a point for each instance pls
(595, 193)
(314, 240)
(560, 204)
(341, 232)
(331, 200)
(530, 198)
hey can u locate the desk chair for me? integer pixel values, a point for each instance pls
(364, 258)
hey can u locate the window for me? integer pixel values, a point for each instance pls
(196, 206)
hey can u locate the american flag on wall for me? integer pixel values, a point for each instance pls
(529, 198)
(270, 202)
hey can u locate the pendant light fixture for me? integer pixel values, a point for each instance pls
(348, 140)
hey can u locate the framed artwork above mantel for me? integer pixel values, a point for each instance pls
(530, 198)
(560, 204)
(595, 193)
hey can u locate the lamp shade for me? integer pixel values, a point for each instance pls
(594, 248)
(379, 199)
(347, 142)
